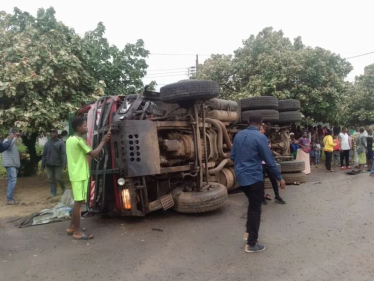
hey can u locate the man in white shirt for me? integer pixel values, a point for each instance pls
(345, 148)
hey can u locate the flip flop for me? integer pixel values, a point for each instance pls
(84, 236)
(70, 231)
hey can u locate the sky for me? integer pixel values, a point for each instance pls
(175, 31)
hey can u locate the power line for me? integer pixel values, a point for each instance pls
(161, 54)
(359, 55)
(168, 69)
(169, 72)
(181, 74)
(175, 72)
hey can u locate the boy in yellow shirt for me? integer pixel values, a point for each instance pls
(79, 172)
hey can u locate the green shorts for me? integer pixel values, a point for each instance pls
(79, 190)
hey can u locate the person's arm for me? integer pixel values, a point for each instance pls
(4, 146)
(94, 153)
(340, 142)
(44, 156)
(63, 154)
(267, 156)
(330, 142)
(232, 152)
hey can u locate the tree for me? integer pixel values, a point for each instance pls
(121, 70)
(269, 64)
(48, 71)
(220, 68)
(359, 102)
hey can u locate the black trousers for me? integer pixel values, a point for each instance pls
(328, 160)
(344, 154)
(273, 180)
(255, 195)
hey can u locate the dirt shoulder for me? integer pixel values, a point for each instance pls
(31, 192)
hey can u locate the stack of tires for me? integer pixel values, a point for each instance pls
(289, 111)
(292, 172)
(266, 106)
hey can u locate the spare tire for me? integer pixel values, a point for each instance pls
(289, 105)
(289, 117)
(189, 90)
(295, 178)
(292, 166)
(199, 202)
(268, 115)
(264, 102)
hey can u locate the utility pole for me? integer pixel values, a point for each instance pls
(197, 62)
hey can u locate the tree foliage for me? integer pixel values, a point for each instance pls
(359, 101)
(47, 70)
(270, 64)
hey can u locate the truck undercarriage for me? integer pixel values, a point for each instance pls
(169, 149)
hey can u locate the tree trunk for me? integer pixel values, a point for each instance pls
(31, 167)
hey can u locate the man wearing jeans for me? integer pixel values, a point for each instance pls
(54, 160)
(11, 163)
(249, 149)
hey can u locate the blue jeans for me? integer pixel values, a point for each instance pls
(12, 180)
(316, 155)
(372, 168)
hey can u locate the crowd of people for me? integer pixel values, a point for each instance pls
(341, 147)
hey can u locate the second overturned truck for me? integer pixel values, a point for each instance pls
(171, 149)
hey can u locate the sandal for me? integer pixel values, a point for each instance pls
(267, 197)
(70, 231)
(84, 236)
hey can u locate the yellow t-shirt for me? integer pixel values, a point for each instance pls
(328, 144)
(76, 152)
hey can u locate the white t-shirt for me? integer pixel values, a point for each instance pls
(344, 143)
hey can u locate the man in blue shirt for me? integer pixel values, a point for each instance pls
(249, 149)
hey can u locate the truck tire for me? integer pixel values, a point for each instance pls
(289, 117)
(199, 202)
(268, 115)
(289, 105)
(295, 178)
(189, 90)
(292, 166)
(264, 102)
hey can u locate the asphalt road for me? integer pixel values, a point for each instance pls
(324, 232)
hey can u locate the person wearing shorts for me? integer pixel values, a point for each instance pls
(79, 173)
(361, 149)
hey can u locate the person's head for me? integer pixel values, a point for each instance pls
(262, 129)
(298, 128)
(370, 131)
(335, 137)
(357, 129)
(362, 130)
(54, 134)
(292, 136)
(305, 134)
(79, 125)
(345, 130)
(255, 119)
(328, 132)
(367, 128)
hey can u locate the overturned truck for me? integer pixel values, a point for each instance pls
(170, 149)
